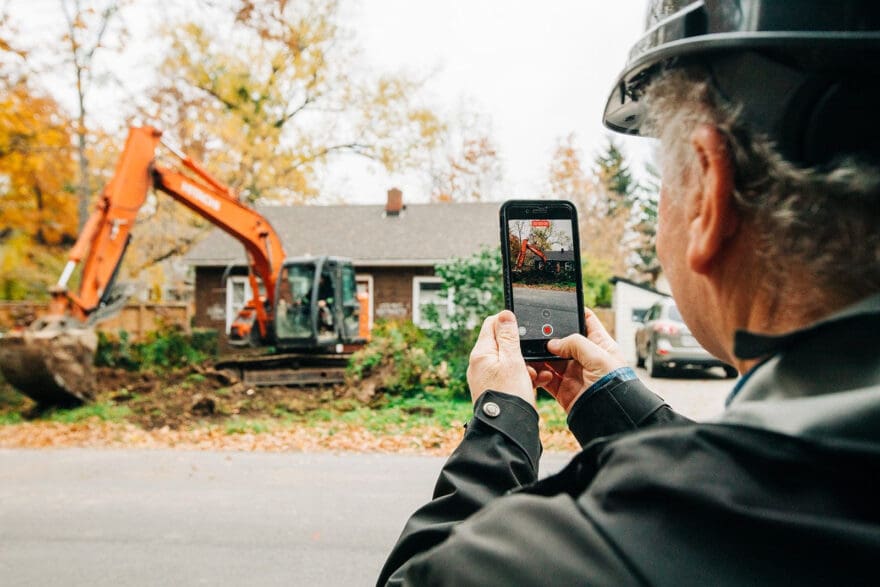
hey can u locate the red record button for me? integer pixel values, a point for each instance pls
(547, 330)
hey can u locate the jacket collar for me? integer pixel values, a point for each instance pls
(822, 380)
(749, 345)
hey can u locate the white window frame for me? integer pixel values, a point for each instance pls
(231, 311)
(416, 298)
(370, 283)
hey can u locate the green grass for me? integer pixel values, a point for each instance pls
(404, 413)
(553, 416)
(12, 404)
(10, 418)
(240, 426)
(103, 411)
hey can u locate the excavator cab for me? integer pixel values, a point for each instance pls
(317, 305)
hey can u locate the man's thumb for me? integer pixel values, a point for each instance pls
(506, 333)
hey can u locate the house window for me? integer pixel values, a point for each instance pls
(427, 292)
(365, 286)
(238, 293)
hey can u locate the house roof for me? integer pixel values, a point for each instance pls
(423, 234)
(559, 255)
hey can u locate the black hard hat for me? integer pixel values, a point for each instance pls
(804, 72)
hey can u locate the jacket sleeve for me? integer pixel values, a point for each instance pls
(499, 452)
(523, 539)
(619, 402)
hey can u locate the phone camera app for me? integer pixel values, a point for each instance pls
(543, 276)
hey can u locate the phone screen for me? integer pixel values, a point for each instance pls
(543, 275)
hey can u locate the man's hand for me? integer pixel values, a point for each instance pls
(592, 357)
(496, 361)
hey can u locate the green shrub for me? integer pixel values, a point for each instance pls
(598, 290)
(477, 289)
(401, 355)
(206, 341)
(115, 351)
(166, 348)
(433, 361)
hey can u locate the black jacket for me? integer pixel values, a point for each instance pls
(782, 490)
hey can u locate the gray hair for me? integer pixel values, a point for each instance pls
(826, 222)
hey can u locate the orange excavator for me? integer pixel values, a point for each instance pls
(521, 257)
(306, 310)
(547, 261)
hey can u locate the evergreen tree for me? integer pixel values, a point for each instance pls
(644, 225)
(613, 173)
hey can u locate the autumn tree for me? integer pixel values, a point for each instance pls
(267, 93)
(602, 221)
(36, 170)
(466, 165)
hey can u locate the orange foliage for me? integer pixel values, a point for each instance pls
(36, 168)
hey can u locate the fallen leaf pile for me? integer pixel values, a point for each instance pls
(327, 436)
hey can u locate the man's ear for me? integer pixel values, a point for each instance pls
(713, 218)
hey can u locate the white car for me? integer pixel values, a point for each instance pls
(664, 343)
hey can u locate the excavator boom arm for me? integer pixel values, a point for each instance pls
(101, 244)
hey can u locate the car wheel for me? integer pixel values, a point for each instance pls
(654, 369)
(730, 372)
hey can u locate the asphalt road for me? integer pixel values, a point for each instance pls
(94, 518)
(537, 307)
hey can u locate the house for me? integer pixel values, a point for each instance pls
(630, 302)
(394, 249)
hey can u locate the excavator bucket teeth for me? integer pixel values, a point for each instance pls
(52, 366)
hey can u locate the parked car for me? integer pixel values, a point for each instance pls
(664, 343)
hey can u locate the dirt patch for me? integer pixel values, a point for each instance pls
(201, 408)
(199, 394)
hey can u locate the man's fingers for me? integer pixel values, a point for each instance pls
(576, 347)
(544, 379)
(507, 335)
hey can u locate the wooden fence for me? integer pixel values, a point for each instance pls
(136, 319)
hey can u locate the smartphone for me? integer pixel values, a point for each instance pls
(540, 249)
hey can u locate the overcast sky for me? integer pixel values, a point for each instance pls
(538, 70)
(541, 70)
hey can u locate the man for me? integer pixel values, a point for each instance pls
(769, 233)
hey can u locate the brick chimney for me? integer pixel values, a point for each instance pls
(394, 204)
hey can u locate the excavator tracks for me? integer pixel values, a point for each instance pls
(291, 369)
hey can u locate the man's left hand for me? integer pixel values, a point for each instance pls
(496, 361)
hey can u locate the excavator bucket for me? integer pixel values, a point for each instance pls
(51, 362)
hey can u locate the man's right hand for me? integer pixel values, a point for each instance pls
(592, 357)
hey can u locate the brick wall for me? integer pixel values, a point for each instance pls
(393, 289)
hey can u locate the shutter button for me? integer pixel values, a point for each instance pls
(491, 409)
